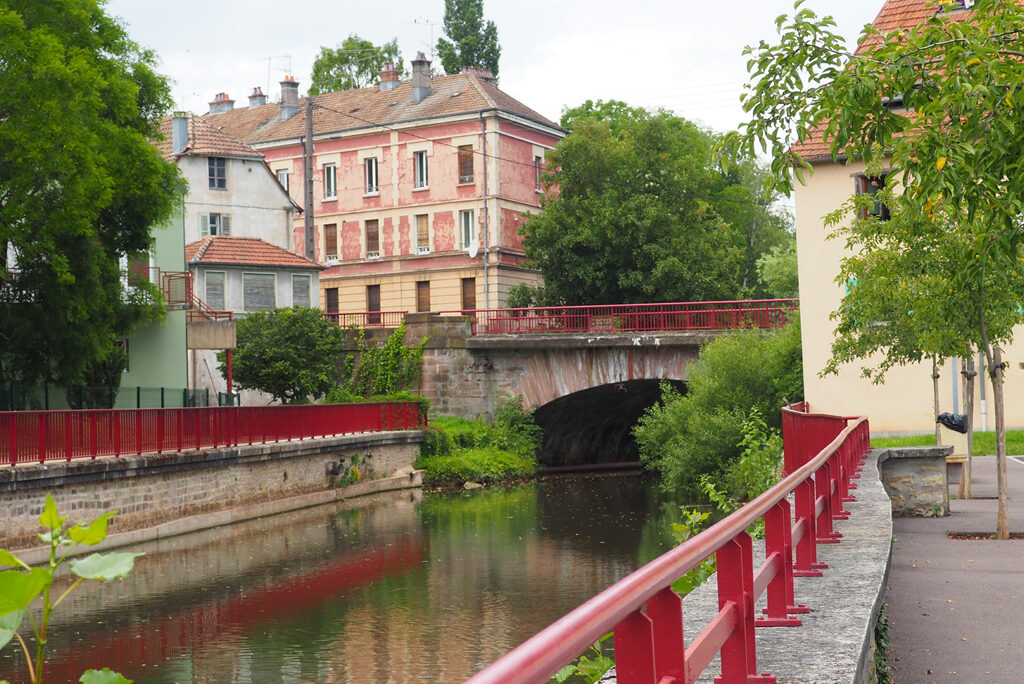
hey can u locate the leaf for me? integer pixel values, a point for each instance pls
(104, 676)
(940, 162)
(95, 533)
(50, 518)
(104, 566)
(972, 61)
(18, 589)
(564, 673)
(8, 558)
(9, 624)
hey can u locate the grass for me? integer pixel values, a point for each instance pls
(984, 442)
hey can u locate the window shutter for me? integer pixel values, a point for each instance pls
(215, 290)
(225, 224)
(258, 291)
(204, 225)
(300, 290)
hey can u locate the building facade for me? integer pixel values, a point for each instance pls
(417, 188)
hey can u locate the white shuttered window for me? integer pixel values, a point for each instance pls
(258, 291)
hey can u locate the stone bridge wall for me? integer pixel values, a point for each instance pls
(467, 375)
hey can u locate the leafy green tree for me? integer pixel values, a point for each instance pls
(356, 63)
(954, 146)
(80, 186)
(291, 354)
(470, 41)
(776, 270)
(634, 211)
(385, 370)
(738, 375)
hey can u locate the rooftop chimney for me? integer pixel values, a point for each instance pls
(482, 74)
(221, 103)
(289, 97)
(257, 98)
(388, 76)
(179, 132)
(420, 77)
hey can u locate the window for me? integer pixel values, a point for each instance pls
(468, 227)
(371, 175)
(422, 234)
(258, 291)
(218, 167)
(214, 224)
(419, 160)
(300, 289)
(331, 241)
(331, 297)
(138, 268)
(536, 173)
(372, 240)
(465, 163)
(282, 178)
(215, 290)
(871, 185)
(423, 295)
(330, 181)
(468, 294)
(373, 304)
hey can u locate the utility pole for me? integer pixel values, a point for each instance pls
(307, 174)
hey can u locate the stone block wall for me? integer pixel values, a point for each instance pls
(152, 489)
(915, 480)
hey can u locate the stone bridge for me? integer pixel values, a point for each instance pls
(589, 389)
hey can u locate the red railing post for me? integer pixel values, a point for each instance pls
(807, 564)
(779, 543)
(634, 650)
(736, 586)
(665, 609)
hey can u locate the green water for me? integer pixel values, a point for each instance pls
(402, 587)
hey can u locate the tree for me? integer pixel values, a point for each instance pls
(80, 186)
(470, 41)
(356, 63)
(942, 278)
(634, 211)
(776, 269)
(291, 354)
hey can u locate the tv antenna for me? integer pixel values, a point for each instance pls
(280, 59)
(431, 24)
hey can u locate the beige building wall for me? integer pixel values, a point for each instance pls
(904, 403)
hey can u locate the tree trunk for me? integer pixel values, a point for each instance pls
(935, 393)
(964, 491)
(996, 373)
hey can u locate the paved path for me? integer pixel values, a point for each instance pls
(956, 608)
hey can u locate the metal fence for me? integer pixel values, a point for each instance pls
(822, 454)
(46, 397)
(41, 436)
(766, 313)
(367, 319)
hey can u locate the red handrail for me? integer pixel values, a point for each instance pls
(649, 645)
(724, 315)
(41, 436)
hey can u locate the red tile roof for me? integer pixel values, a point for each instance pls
(362, 107)
(229, 250)
(894, 15)
(205, 140)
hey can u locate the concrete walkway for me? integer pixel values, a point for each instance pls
(956, 608)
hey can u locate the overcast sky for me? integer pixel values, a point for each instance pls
(683, 55)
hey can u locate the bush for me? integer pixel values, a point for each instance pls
(482, 464)
(385, 370)
(686, 437)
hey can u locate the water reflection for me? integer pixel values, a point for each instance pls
(397, 587)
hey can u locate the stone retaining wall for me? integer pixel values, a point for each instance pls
(915, 479)
(157, 489)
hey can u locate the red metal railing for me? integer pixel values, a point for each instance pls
(766, 313)
(368, 319)
(201, 311)
(176, 286)
(649, 645)
(41, 436)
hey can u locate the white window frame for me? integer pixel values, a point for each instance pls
(214, 223)
(420, 170)
(223, 289)
(330, 181)
(309, 288)
(370, 175)
(467, 227)
(245, 302)
(283, 177)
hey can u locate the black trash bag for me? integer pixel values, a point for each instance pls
(954, 421)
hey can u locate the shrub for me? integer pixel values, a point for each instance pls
(686, 437)
(483, 464)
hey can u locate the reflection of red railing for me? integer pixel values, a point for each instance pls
(649, 644)
(130, 648)
(40, 436)
(368, 319)
(765, 313)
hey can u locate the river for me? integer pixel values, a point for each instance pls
(402, 587)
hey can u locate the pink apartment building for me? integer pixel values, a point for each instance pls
(418, 186)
